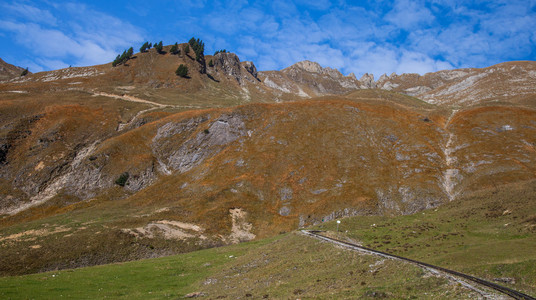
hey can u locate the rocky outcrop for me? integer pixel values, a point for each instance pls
(250, 67)
(200, 145)
(310, 75)
(367, 81)
(229, 65)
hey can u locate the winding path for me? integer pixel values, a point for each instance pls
(139, 100)
(129, 98)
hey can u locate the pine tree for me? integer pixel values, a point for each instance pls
(123, 56)
(144, 47)
(116, 60)
(174, 49)
(210, 63)
(187, 49)
(159, 47)
(126, 55)
(182, 71)
(199, 49)
(24, 73)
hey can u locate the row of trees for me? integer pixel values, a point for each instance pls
(120, 59)
(146, 46)
(199, 49)
(159, 47)
(197, 46)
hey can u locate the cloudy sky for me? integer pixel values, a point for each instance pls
(377, 37)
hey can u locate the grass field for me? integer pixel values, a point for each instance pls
(286, 266)
(467, 235)
(491, 235)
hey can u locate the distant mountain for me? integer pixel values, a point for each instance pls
(9, 71)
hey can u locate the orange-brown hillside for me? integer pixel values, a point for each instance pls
(140, 161)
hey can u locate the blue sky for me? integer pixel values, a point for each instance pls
(377, 37)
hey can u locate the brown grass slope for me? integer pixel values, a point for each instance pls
(259, 169)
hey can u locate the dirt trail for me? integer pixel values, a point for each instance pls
(130, 98)
(139, 100)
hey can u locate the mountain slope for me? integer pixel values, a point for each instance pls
(9, 71)
(160, 164)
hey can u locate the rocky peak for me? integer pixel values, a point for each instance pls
(382, 78)
(310, 76)
(367, 81)
(309, 66)
(312, 67)
(230, 65)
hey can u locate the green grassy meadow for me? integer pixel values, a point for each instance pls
(490, 234)
(468, 235)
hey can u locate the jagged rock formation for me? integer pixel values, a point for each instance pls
(309, 79)
(229, 64)
(367, 81)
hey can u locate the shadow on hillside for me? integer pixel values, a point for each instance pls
(214, 79)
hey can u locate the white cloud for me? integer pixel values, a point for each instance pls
(31, 65)
(51, 64)
(85, 37)
(414, 62)
(29, 13)
(377, 60)
(408, 14)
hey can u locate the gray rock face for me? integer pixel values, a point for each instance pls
(250, 67)
(367, 81)
(309, 66)
(382, 79)
(313, 67)
(195, 145)
(321, 80)
(230, 65)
